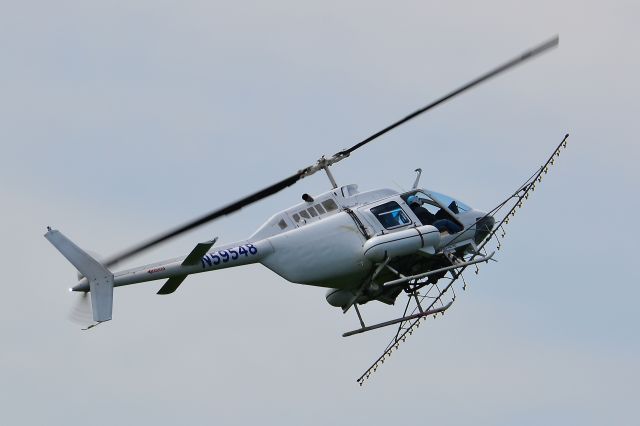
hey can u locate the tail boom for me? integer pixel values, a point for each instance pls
(228, 256)
(100, 281)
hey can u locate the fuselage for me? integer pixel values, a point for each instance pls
(335, 240)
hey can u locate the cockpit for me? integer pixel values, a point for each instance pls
(456, 220)
(439, 210)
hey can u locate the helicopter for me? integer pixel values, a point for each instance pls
(363, 246)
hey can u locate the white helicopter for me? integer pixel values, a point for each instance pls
(362, 246)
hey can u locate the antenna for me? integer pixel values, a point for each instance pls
(415, 183)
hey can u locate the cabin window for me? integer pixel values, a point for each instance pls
(282, 224)
(296, 217)
(312, 211)
(319, 208)
(329, 205)
(304, 214)
(391, 215)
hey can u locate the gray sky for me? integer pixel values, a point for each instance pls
(122, 119)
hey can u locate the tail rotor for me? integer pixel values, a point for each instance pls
(80, 312)
(99, 278)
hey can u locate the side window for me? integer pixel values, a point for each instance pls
(390, 215)
(329, 205)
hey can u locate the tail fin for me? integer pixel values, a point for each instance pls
(99, 277)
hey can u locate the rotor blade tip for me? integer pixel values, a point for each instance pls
(552, 42)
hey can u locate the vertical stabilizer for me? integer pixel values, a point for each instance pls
(99, 277)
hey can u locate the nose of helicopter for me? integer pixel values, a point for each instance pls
(484, 225)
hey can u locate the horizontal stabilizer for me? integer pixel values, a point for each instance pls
(171, 285)
(198, 253)
(194, 258)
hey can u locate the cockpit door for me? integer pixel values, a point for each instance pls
(387, 216)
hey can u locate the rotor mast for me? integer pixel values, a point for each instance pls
(324, 164)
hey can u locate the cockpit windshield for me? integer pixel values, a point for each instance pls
(433, 208)
(435, 199)
(456, 206)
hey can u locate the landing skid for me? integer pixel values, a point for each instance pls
(398, 320)
(411, 284)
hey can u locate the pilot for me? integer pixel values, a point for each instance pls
(428, 218)
(424, 215)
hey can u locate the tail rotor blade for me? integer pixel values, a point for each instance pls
(81, 310)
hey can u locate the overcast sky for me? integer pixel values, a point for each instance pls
(122, 119)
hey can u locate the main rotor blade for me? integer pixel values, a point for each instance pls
(279, 186)
(502, 68)
(233, 207)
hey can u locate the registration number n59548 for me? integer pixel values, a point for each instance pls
(228, 255)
